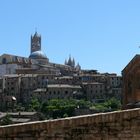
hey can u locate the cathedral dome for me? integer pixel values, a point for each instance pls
(38, 55)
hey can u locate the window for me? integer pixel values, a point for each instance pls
(4, 61)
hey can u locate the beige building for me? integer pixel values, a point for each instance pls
(114, 81)
(64, 80)
(11, 85)
(9, 63)
(10, 92)
(56, 91)
(94, 91)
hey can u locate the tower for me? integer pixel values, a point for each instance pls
(35, 42)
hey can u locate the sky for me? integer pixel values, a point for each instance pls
(100, 34)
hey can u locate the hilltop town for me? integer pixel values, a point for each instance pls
(26, 82)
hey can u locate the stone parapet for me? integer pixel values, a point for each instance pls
(116, 125)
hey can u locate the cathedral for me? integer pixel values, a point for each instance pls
(36, 63)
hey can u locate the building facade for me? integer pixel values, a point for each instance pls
(131, 83)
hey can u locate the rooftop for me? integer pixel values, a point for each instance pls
(38, 55)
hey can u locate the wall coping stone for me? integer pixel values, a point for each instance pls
(52, 125)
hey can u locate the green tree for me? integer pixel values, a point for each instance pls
(56, 108)
(6, 120)
(109, 105)
(83, 104)
(113, 103)
(34, 105)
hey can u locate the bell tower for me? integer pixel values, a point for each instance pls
(35, 42)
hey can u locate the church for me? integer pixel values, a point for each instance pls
(36, 63)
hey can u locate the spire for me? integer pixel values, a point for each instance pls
(65, 62)
(69, 61)
(78, 67)
(73, 62)
(36, 34)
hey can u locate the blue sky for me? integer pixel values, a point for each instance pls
(99, 34)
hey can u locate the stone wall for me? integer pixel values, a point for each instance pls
(120, 125)
(131, 83)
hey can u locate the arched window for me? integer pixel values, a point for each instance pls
(4, 61)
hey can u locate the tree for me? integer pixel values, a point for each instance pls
(109, 105)
(6, 120)
(58, 108)
(34, 105)
(113, 103)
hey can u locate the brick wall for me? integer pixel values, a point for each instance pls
(120, 125)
